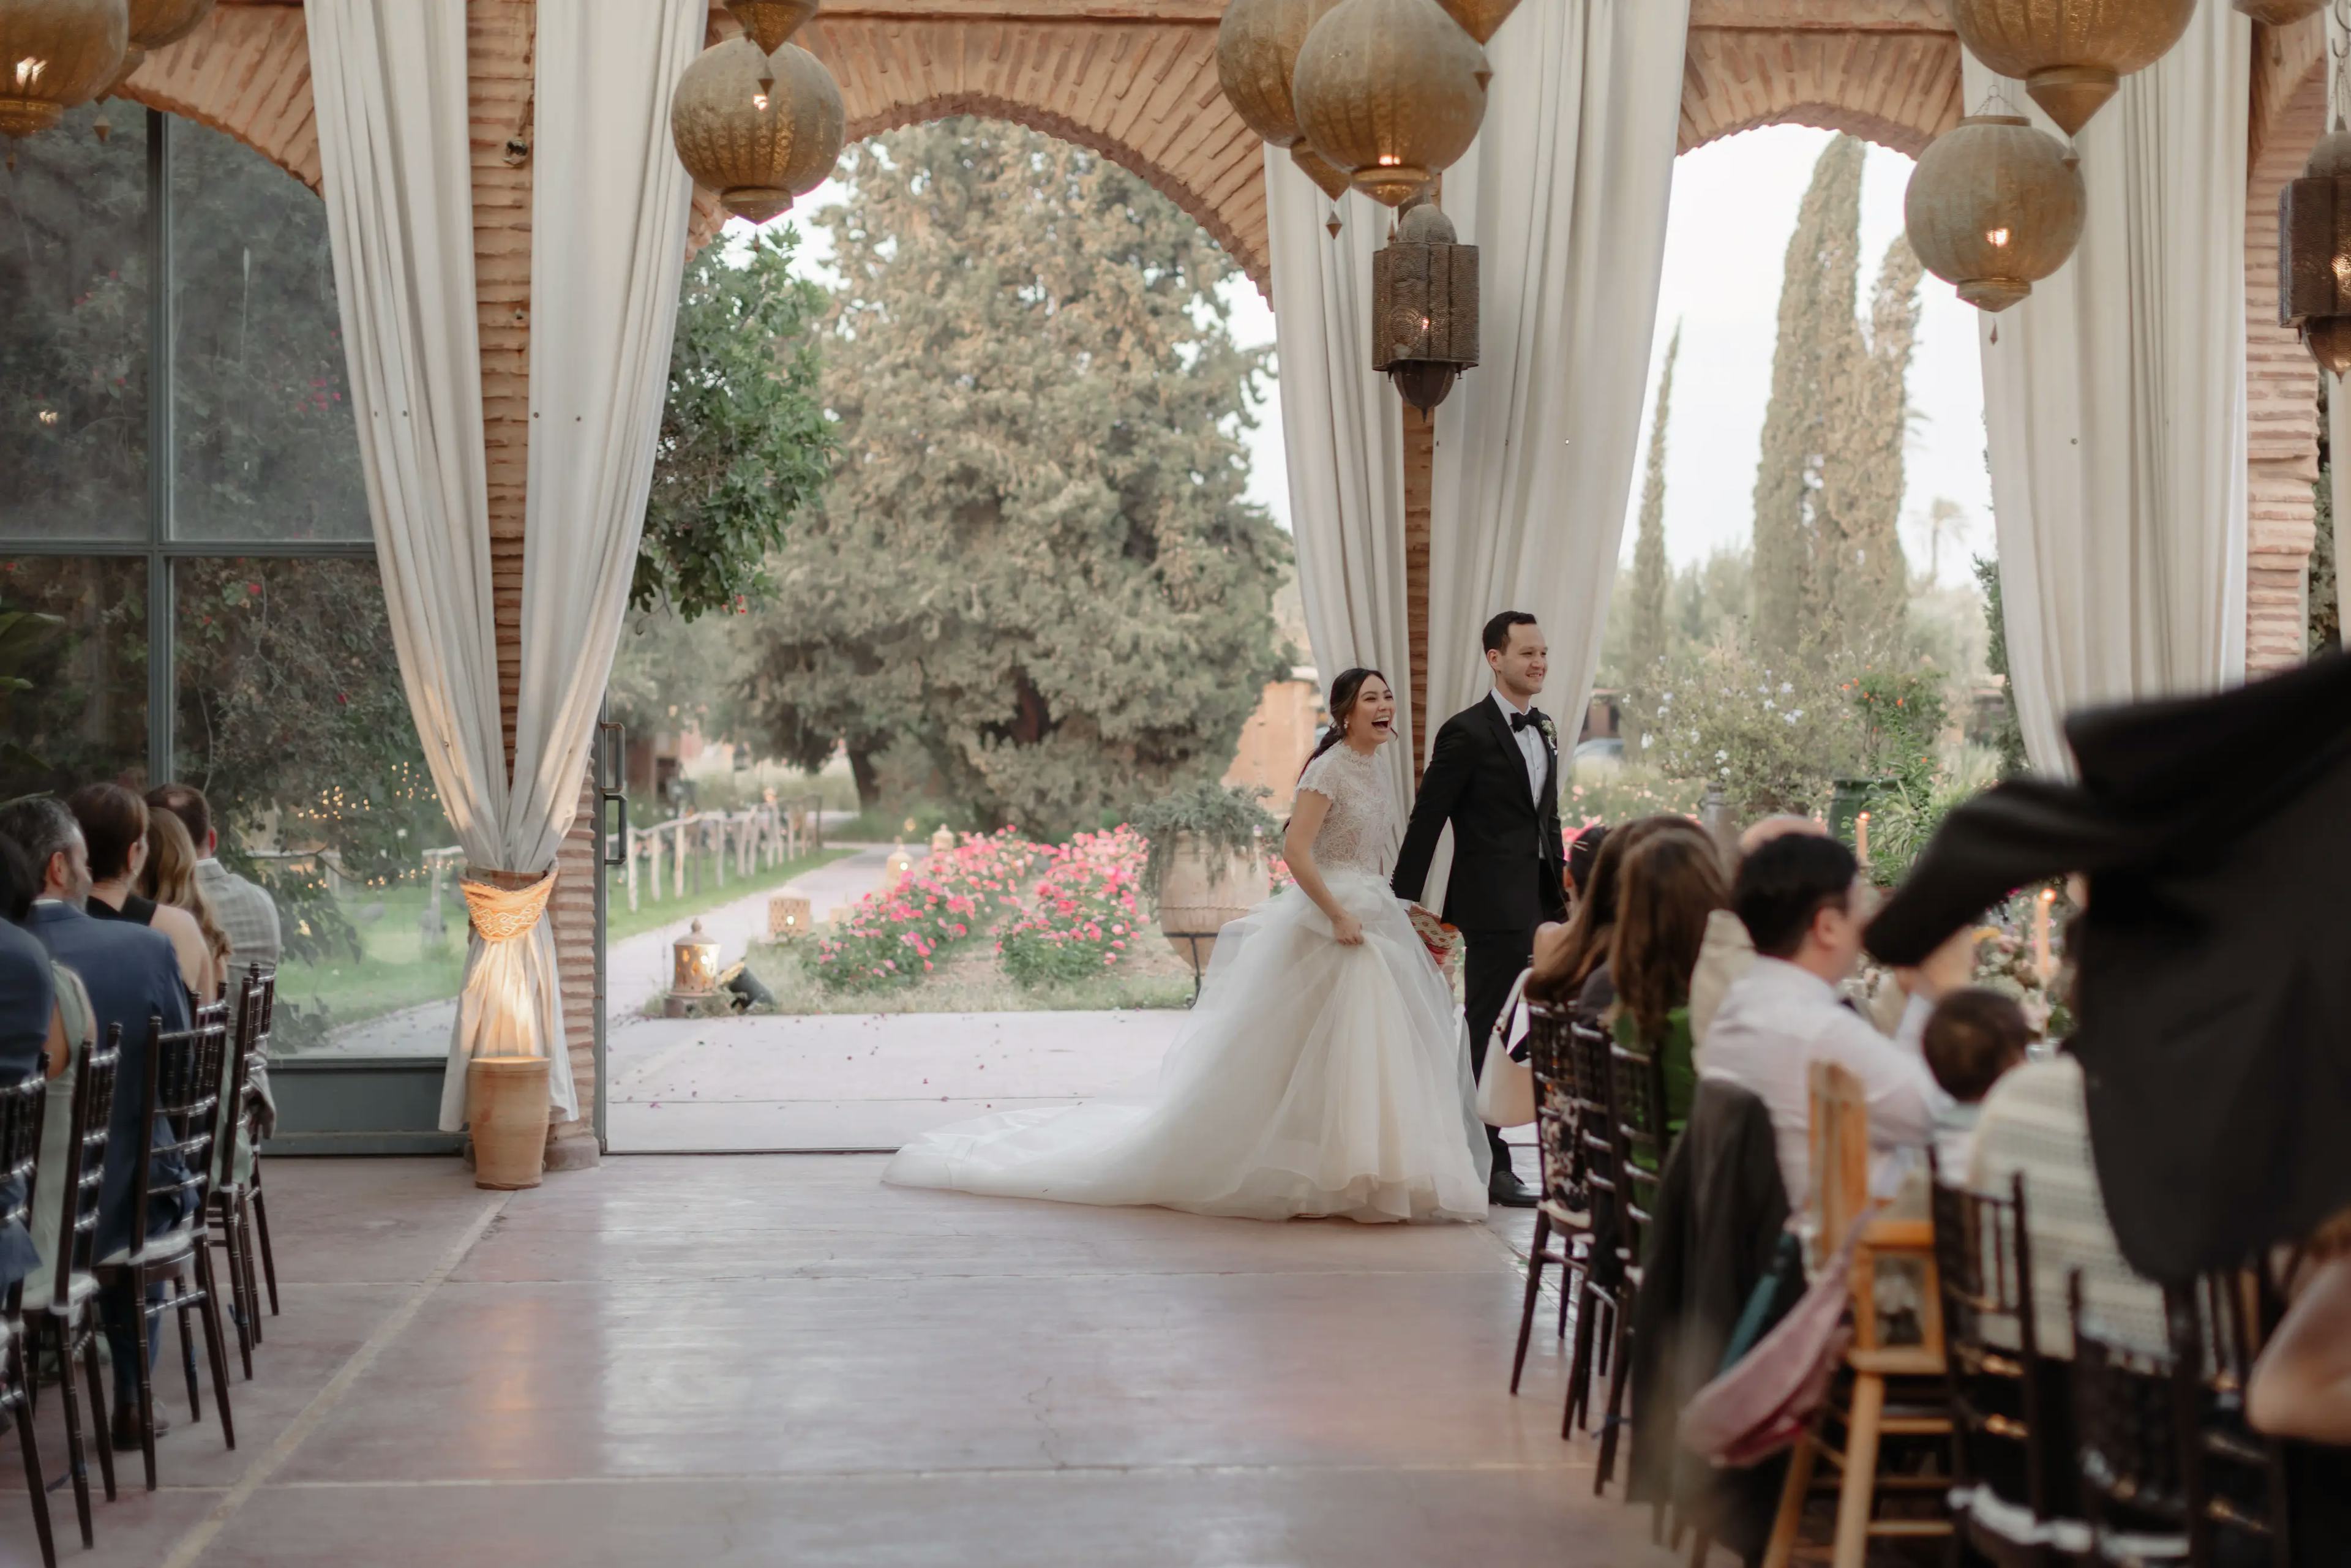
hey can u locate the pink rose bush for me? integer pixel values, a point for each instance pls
(895, 938)
(1084, 915)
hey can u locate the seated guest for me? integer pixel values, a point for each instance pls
(1577, 967)
(2300, 1385)
(247, 914)
(114, 825)
(1666, 889)
(170, 881)
(1581, 851)
(1803, 903)
(1973, 1038)
(1729, 953)
(29, 1030)
(131, 973)
(2036, 1121)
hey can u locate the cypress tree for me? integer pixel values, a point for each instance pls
(1649, 574)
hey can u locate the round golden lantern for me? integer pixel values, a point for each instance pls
(2314, 252)
(55, 53)
(770, 22)
(2071, 55)
(757, 129)
(155, 22)
(1481, 19)
(1321, 170)
(1392, 91)
(2280, 13)
(1257, 50)
(1994, 207)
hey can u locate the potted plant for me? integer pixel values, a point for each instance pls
(1207, 862)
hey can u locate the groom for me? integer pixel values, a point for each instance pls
(1494, 776)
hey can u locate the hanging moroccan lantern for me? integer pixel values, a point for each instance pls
(2280, 13)
(769, 22)
(1392, 91)
(1481, 19)
(759, 129)
(2071, 55)
(155, 22)
(1424, 307)
(1994, 207)
(2314, 252)
(55, 53)
(1257, 50)
(1321, 171)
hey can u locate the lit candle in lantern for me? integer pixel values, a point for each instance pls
(1861, 838)
(2040, 933)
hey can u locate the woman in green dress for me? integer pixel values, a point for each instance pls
(1665, 889)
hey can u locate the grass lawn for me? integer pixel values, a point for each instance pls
(971, 981)
(620, 922)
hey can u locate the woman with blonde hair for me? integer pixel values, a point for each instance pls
(171, 880)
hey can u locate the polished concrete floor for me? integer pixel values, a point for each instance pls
(772, 1360)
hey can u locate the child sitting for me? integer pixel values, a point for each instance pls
(1972, 1039)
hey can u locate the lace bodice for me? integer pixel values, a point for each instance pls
(1360, 830)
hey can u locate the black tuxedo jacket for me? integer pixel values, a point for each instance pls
(1507, 855)
(2214, 969)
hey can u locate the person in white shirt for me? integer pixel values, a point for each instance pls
(1804, 905)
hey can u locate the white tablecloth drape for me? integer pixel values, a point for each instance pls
(1564, 194)
(2114, 403)
(609, 216)
(1344, 439)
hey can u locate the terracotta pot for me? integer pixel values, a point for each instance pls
(1204, 889)
(506, 1106)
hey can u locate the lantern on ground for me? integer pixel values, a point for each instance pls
(1392, 91)
(2071, 55)
(1257, 50)
(759, 129)
(1994, 207)
(769, 22)
(2280, 13)
(1424, 307)
(693, 968)
(55, 53)
(790, 918)
(2314, 252)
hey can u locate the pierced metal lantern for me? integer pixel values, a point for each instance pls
(2071, 55)
(55, 53)
(1424, 307)
(2314, 252)
(156, 23)
(1481, 19)
(1392, 91)
(2280, 13)
(1333, 179)
(790, 918)
(769, 22)
(1256, 51)
(759, 129)
(695, 966)
(1994, 207)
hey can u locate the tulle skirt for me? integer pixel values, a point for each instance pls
(1311, 1080)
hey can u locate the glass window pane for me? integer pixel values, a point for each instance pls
(73, 330)
(291, 719)
(263, 426)
(73, 672)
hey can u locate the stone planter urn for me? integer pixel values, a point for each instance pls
(1202, 889)
(506, 1106)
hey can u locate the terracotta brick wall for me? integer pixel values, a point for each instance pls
(1885, 69)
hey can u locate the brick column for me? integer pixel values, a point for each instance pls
(2281, 401)
(1419, 479)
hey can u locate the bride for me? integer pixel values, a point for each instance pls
(1323, 1070)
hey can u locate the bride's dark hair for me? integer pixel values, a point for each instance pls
(1343, 693)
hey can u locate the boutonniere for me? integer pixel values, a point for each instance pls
(1550, 733)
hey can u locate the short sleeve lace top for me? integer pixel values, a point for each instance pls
(1360, 829)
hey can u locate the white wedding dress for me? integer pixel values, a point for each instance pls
(1310, 1079)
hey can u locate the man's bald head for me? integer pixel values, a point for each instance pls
(1778, 826)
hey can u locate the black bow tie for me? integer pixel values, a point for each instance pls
(1520, 721)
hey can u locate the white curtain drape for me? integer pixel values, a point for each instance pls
(387, 84)
(2114, 403)
(1564, 193)
(609, 210)
(1343, 438)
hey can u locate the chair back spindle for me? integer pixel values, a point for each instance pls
(85, 1170)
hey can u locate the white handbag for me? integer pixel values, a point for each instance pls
(1506, 1088)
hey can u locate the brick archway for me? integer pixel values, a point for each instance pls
(1885, 70)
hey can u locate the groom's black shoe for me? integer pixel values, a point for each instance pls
(1507, 1190)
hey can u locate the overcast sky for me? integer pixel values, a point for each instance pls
(1734, 208)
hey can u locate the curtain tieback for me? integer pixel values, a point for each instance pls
(503, 913)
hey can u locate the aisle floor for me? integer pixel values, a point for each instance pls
(778, 1360)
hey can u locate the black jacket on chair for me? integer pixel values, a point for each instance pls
(2214, 961)
(1721, 1208)
(1508, 854)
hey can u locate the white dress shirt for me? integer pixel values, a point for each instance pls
(1776, 1021)
(1531, 745)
